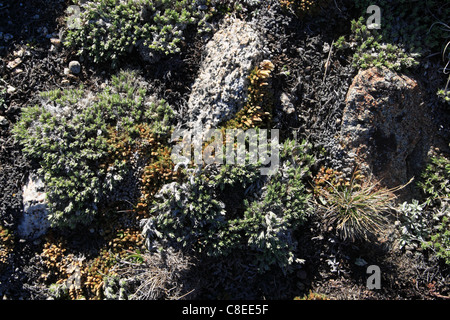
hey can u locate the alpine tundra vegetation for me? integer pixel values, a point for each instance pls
(95, 98)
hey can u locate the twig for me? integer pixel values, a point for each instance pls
(327, 64)
(184, 295)
(440, 295)
(335, 3)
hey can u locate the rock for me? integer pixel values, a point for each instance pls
(286, 103)
(56, 42)
(34, 222)
(384, 127)
(221, 87)
(3, 121)
(10, 89)
(14, 63)
(74, 67)
(19, 53)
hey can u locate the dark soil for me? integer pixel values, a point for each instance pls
(329, 266)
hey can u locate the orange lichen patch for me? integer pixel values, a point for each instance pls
(159, 171)
(6, 244)
(328, 179)
(149, 146)
(85, 277)
(302, 7)
(55, 260)
(313, 296)
(257, 112)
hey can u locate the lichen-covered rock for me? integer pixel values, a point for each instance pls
(220, 89)
(34, 222)
(384, 125)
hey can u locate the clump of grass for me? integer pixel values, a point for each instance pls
(153, 276)
(444, 93)
(356, 210)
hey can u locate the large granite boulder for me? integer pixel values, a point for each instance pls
(221, 87)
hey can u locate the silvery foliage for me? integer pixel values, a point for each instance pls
(182, 214)
(191, 215)
(414, 225)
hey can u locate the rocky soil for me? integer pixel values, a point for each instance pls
(318, 95)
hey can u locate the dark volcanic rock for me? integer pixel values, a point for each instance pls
(384, 125)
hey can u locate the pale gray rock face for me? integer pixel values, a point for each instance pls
(34, 222)
(221, 87)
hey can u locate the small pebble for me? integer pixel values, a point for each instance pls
(3, 121)
(10, 89)
(74, 67)
(55, 41)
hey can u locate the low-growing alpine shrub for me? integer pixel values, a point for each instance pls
(440, 240)
(2, 98)
(371, 49)
(434, 184)
(191, 216)
(69, 134)
(435, 179)
(408, 30)
(409, 23)
(110, 29)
